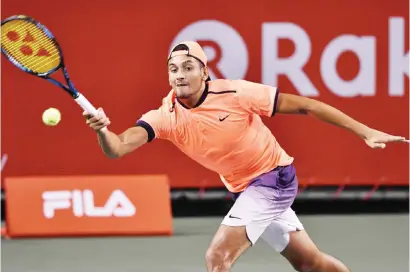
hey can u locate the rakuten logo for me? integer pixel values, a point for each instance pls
(232, 61)
(82, 204)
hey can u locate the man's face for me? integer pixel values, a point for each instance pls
(186, 75)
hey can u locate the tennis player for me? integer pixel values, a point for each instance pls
(217, 123)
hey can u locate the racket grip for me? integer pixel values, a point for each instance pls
(87, 106)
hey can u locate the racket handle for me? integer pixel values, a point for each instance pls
(87, 106)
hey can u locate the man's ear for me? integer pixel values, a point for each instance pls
(205, 74)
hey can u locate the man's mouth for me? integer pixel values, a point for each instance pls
(181, 84)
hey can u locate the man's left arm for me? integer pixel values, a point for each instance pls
(266, 100)
(293, 104)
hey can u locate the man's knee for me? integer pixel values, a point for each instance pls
(308, 264)
(218, 260)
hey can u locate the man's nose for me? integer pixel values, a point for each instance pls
(180, 75)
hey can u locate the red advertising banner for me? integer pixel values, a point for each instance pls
(88, 205)
(350, 54)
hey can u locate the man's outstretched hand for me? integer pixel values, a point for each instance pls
(377, 140)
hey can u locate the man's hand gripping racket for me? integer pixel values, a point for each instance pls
(31, 47)
(98, 121)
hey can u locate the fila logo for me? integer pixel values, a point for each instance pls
(82, 204)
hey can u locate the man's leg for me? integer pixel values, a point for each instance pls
(303, 254)
(241, 227)
(286, 235)
(263, 201)
(227, 245)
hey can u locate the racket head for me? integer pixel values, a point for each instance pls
(30, 46)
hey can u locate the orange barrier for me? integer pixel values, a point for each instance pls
(88, 205)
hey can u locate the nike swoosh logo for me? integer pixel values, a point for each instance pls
(222, 119)
(230, 216)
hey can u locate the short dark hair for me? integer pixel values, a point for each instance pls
(180, 47)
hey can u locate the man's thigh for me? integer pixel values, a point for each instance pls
(278, 233)
(229, 242)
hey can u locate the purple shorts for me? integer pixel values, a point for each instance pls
(264, 207)
(283, 179)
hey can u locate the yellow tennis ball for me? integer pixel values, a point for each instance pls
(51, 117)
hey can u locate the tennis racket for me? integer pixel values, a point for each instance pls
(31, 47)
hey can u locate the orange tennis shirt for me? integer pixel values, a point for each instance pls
(224, 131)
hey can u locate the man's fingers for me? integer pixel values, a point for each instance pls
(100, 122)
(100, 113)
(86, 115)
(389, 138)
(97, 121)
(378, 145)
(92, 120)
(394, 138)
(103, 122)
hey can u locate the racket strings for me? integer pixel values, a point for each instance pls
(42, 42)
(37, 64)
(39, 42)
(30, 46)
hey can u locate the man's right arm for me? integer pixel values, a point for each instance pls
(115, 146)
